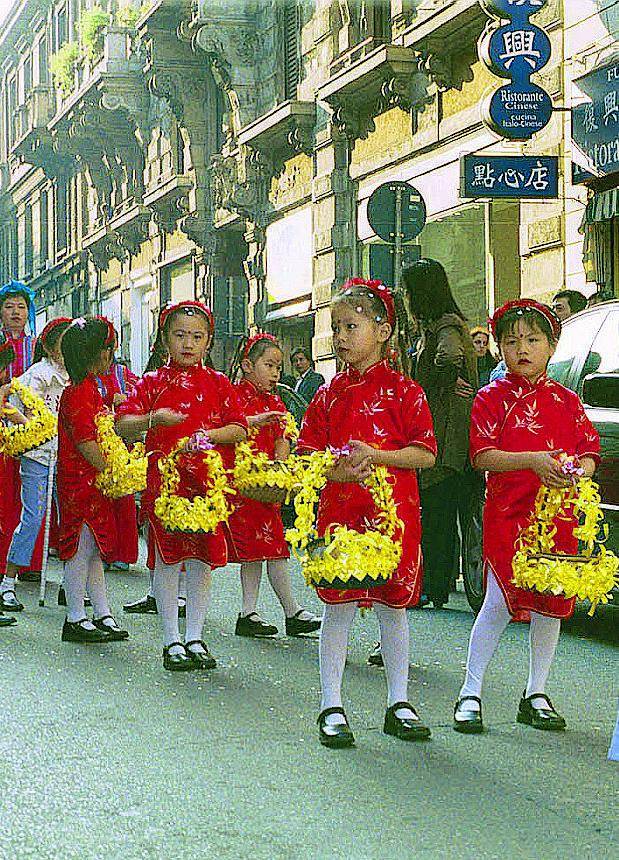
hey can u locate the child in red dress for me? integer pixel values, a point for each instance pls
(255, 530)
(384, 418)
(87, 526)
(175, 401)
(519, 426)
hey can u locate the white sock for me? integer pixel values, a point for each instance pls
(332, 650)
(394, 639)
(95, 586)
(182, 583)
(543, 638)
(489, 626)
(7, 584)
(165, 586)
(76, 573)
(251, 574)
(279, 577)
(151, 588)
(198, 594)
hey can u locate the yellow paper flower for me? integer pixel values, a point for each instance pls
(126, 469)
(344, 554)
(42, 425)
(253, 470)
(538, 567)
(291, 431)
(202, 513)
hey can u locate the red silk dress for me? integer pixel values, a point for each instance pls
(79, 500)
(512, 414)
(119, 380)
(389, 411)
(209, 401)
(10, 482)
(255, 530)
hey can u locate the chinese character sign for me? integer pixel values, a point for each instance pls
(509, 176)
(516, 51)
(595, 124)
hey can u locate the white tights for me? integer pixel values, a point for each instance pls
(84, 573)
(394, 635)
(165, 587)
(489, 626)
(279, 577)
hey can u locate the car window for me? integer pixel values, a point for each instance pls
(573, 344)
(604, 355)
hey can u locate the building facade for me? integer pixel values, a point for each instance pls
(227, 150)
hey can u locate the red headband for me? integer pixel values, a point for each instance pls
(51, 325)
(263, 335)
(528, 305)
(111, 336)
(379, 290)
(190, 304)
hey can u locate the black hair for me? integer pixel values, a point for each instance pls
(15, 294)
(428, 291)
(188, 311)
(44, 345)
(260, 347)
(575, 300)
(159, 352)
(358, 296)
(534, 319)
(82, 342)
(301, 350)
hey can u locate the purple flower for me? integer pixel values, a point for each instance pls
(199, 442)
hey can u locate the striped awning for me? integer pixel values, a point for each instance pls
(603, 206)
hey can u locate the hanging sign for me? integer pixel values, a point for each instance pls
(509, 176)
(515, 51)
(595, 124)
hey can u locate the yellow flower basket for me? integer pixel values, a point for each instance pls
(202, 514)
(18, 439)
(345, 558)
(593, 574)
(126, 469)
(269, 481)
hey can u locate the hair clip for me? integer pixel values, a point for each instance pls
(80, 322)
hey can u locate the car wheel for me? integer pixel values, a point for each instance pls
(472, 554)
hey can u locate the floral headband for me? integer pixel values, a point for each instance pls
(378, 289)
(252, 341)
(523, 305)
(190, 308)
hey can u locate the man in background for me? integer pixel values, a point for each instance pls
(308, 381)
(567, 303)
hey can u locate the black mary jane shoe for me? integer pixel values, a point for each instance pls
(116, 633)
(9, 602)
(144, 606)
(7, 620)
(296, 626)
(29, 576)
(177, 662)
(375, 657)
(468, 721)
(253, 626)
(74, 631)
(403, 728)
(201, 659)
(336, 736)
(546, 719)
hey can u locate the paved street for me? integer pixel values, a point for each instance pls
(106, 755)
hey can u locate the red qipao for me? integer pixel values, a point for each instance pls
(209, 401)
(255, 530)
(10, 482)
(386, 410)
(79, 500)
(120, 380)
(513, 414)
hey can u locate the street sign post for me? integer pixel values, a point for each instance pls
(509, 176)
(396, 213)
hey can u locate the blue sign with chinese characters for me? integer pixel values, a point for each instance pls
(595, 124)
(509, 176)
(516, 51)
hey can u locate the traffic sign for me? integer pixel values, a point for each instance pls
(395, 202)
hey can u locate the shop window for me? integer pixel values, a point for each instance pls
(292, 46)
(178, 282)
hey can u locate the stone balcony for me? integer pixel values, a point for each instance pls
(281, 133)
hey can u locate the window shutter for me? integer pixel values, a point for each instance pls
(292, 34)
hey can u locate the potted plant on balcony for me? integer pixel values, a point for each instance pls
(92, 24)
(62, 65)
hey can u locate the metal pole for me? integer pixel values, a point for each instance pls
(48, 517)
(397, 239)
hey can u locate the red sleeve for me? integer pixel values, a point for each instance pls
(131, 379)
(314, 431)
(486, 423)
(587, 439)
(418, 424)
(139, 399)
(78, 414)
(231, 410)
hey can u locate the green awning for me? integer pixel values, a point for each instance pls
(603, 206)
